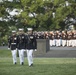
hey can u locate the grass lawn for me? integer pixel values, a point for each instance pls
(42, 66)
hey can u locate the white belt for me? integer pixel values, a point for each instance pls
(13, 43)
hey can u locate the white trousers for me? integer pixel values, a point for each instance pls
(73, 43)
(58, 42)
(21, 55)
(14, 55)
(30, 56)
(69, 42)
(52, 42)
(63, 42)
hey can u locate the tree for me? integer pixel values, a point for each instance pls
(44, 14)
(6, 19)
(39, 13)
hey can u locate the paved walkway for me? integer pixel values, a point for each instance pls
(62, 48)
(63, 52)
(3, 47)
(51, 48)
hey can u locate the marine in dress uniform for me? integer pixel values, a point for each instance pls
(22, 40)
(31, 45)
(73, 38)
(63, 35)
(46, 36)
(57, 38)
(12, 44)
(69, 36)
(51, 37)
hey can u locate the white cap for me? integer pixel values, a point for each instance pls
(13, 31)
(21, 29)
(29, 29)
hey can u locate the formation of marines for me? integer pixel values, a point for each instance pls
(22, 42)
(58, 38)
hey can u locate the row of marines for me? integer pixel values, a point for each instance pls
(22, 42)
(57, 38)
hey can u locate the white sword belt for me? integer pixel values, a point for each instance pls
(13, 43)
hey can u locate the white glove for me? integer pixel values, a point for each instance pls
(8, 48)
(16, 48)
(35, 49)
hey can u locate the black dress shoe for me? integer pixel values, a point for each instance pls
(15, 63)
(22, 63)
(31, 65)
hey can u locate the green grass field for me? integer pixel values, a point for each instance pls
(42, 66)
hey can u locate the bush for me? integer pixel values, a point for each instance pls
(4, 40)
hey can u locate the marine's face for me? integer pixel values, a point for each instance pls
(13, 33)
(30, 32)
(21, 32)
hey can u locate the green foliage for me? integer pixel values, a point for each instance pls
(41, 11)
(44, 10)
